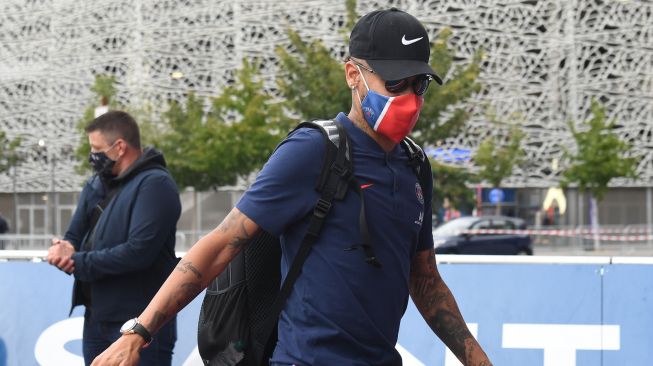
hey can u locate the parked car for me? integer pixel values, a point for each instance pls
(453, 237)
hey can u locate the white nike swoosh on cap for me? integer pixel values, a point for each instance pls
(407, 42)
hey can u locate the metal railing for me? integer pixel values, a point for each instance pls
(43, 241)
(39, 256)
(25, 241)
(613, 239)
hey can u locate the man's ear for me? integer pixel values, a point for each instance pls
(122, 147)
(352, 75)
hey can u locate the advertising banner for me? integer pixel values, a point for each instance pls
(522, 314)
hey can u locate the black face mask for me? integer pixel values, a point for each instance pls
(101, 163)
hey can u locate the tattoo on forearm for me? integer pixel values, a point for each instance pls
(189, 291)
(159, 319)
(185, 266)
(453, 331)
(437, 304)
(236, 221)
(238, 242)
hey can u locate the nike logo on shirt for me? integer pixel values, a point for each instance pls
(407, 42)
(363, 186)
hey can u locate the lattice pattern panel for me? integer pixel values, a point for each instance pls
(545, 61)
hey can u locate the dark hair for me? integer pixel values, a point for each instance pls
(115, 125)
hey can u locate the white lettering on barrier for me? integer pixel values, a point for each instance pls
(561, 341)
(49, 349)
(407, 358)
(194, 359)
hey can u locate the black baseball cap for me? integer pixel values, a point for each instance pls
(394, 43)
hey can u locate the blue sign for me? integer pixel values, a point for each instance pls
(496, 195)
(522, 314)
(447, 155)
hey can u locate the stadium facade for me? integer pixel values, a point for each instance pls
(544, 61)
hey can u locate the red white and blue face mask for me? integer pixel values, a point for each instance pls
(392, 117)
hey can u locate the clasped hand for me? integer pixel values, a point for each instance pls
(60, 255)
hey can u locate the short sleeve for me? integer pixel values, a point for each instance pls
(284, 191)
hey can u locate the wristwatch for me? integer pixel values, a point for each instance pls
(132, 326)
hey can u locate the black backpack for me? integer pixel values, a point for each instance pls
(238, 319)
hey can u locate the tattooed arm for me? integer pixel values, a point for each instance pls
(203, 262)
(438, 307)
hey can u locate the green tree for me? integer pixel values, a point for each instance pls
(351, 16)
(105, 88)
(450, 181)
(235, 137)
(497, 158)
(259, 123)
(9, 156)
(599, 157)
(311, 80)
(184, 142)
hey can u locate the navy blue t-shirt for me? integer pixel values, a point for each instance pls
(342, 311)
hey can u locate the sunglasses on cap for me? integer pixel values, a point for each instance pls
(420, 83)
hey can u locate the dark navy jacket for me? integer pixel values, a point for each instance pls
(134, 242)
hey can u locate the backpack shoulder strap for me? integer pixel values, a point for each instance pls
(416, 156)
(337, 167)
(417, 160)
(336, 177)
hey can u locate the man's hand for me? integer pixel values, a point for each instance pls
(60, 253)
(123, 352)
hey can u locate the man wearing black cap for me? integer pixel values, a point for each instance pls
(342, 311)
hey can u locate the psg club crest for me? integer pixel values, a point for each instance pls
(369, 113)
(418, 193)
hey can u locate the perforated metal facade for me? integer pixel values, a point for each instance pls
(545, 61)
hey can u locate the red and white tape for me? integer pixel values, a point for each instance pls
(603, 234)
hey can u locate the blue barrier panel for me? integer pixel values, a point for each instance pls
(628, 301)
(34, 325)
(523, 314)
(492, 295)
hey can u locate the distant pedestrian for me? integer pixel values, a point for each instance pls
(450, 212)
(4, 228)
